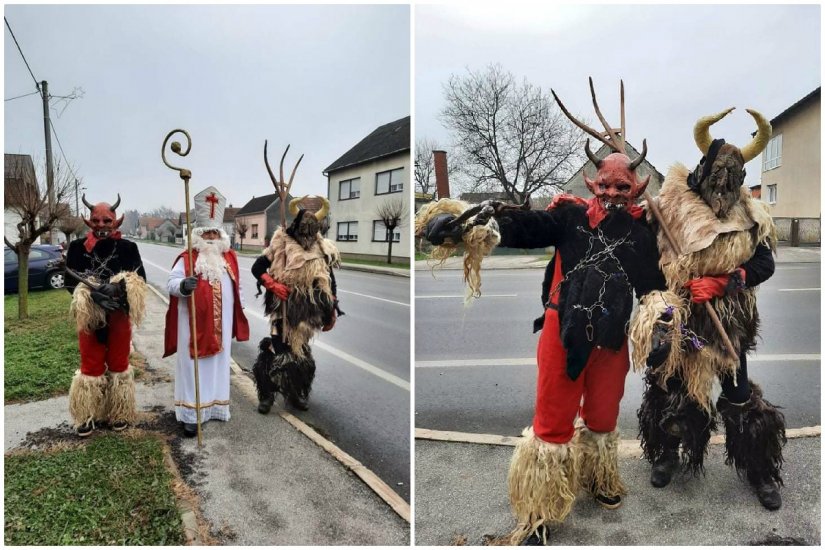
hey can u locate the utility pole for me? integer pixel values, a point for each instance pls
(44, 90)
(76, 204)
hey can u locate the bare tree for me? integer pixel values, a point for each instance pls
(393, 214)
(131, 221)
(70, 225)
(424, 166)
(29, 201)
(241, 227)
(509, 137)
(164, 212)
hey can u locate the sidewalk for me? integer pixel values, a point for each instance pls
(785, 254)
(461, 497)
(260, 481)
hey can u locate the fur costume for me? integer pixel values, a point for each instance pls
(103, 389)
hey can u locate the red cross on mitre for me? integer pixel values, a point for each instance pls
(213, 201)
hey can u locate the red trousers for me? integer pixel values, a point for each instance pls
(95, 357)
(559, 399)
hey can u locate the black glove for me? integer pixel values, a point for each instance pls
(106, 302)
(437, 230)
(187, 286)
(661, 344)
(110, 290)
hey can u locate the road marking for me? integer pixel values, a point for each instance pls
(153, 264)
(360, 363)
(531, 361)
(797, 289)
(372, 297)
(419, 297)
(627, 447)
(379, 486)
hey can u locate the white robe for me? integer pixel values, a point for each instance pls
(213, 372)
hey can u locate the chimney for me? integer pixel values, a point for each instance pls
(442, 181)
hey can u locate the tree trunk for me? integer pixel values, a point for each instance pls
(23, 280)
(389, 248)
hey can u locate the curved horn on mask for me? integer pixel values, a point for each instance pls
(760, 141)
(635, 164)
(701, 131)
(322, 213)
(118, 221)
(117, 203)
(85, 202)
(293, 206)
(593, 158)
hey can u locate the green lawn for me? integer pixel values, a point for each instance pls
(41, 351)
(112, 490)
(379, 263)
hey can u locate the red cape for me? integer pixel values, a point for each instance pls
(208, 341)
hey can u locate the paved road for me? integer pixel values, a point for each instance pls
(360, 399)
(454, 393)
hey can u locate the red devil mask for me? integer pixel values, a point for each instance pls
(616, 184)
(102, 220)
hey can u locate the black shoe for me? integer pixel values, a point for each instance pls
(537, 537)
(119, 425)
(298, 403)
(265, 405)
(768, 493)
(664, 468)
(190, 430)
(86, 429)
(611, 503)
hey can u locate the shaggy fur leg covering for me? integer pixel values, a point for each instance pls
(542, 482)
(655, 441)
(263, 369)
(754, 436)
(121, 404)
(87, 398)
(599, 473)
(298, 374)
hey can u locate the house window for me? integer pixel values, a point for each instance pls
(772, 194)
(772, 157)
(347, 231)
(349, 189)
(390, 181)
(254, 230)
(379, 233)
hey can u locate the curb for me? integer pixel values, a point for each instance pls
(367, 269)
(628, 448)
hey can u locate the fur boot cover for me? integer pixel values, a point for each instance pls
(478, 242)
(288, 374)
(543, 481)
(121, 404)
(754, 436)
(89, 316)
(87, 396)
(599, 470)
(670, 417)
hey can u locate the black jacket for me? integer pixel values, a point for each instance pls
(108, 258)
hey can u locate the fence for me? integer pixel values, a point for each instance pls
(799, 230)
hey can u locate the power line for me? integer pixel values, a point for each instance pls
(19, 96)
(60, 146)
(36, 83)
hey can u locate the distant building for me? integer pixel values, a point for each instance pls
(262, 216)
(791, 176)
(158, 229)
(375, 172)
(229, 222)
(576, 186)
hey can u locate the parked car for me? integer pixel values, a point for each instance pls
(47, 267)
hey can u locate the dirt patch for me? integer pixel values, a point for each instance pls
(459, 540)
(493, 540)
(225, 534)
(145, 373)
(775, 540)
(62, 437)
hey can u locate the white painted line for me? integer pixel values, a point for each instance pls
(361, 364)
(531, 361)
(153, 264)
(420, 297)
(797, 289)
(372, 297)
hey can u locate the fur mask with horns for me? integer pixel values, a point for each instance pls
(721, 172)
(310, 213)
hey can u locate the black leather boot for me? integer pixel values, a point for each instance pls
(537, 537)
(768, 494)
(664, 467)
(265, 404)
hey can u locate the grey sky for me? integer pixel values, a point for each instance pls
(678, 63)
(318, 77)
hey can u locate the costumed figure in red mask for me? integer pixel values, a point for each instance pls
(604, 251)
(219, 316)
(725, 240)
(104, 306)
(295, 268)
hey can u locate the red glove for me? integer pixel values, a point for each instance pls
(702, 289)
(279, 289)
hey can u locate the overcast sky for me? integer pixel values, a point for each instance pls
(318, 77)
(678, 63)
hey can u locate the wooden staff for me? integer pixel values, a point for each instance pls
(185, 175)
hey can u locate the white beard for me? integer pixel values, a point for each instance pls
(210, 263)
